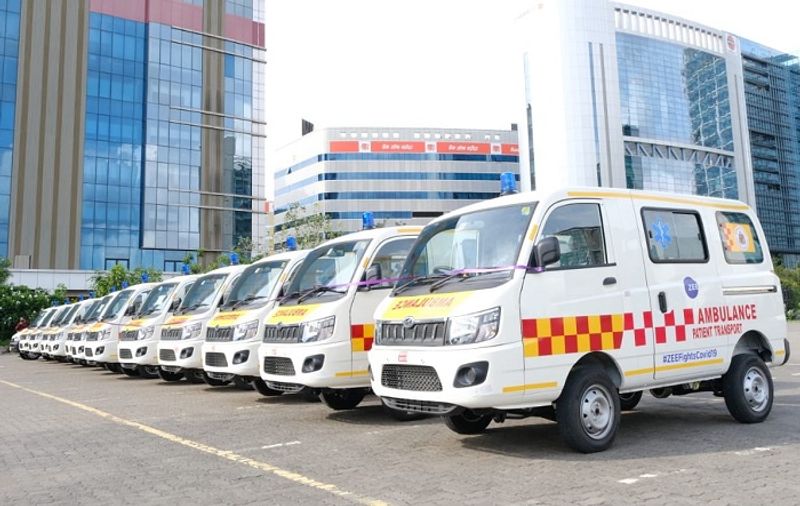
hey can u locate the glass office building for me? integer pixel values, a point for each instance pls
(9, 52)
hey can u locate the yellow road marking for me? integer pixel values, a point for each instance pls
(529, 386)
(225, 454)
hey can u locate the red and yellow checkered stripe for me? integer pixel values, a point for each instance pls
(574, 334)
(361, 336)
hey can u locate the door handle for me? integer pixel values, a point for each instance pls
(662, 302)
(611, 280)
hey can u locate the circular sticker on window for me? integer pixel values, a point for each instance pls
(742, 238)
(691, 287)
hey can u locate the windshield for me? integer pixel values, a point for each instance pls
(66, 319)
(202, 293)
(85, 316)
(483, 245)
(60, 316)
(37, 320)
(97, 310)
(47, 318)
(330, 267)
(116, 308)
(254, 286)
(158, 300)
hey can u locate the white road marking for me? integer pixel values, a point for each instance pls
(628, 481)
(279, 445)
(647, 475)
(796, 374)
(757, 449)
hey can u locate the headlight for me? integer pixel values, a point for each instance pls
(192, 331)
(145, 333)
(474, 328)
(318, 330)
(245, 331)
(377, 331)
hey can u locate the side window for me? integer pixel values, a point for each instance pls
(138, 301)
(388, 261)
(739, 239)
(674, 236)
(579, 230)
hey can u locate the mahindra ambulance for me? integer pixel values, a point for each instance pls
(46, 333)
(319, 334)
(102, 338)
(182, 335)
(27, 336)
(230, 350)
(138, 339)
(569, 304)
(36, 339)
(75, 335)
(60, 342)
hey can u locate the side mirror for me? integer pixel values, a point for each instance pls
(176, 303)
(132, 309)
(546, 252)
(374, 272)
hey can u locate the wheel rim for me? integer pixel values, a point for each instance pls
(626, 397)
(471, 416)
(756, 389)
(151, 370)
(597, 412)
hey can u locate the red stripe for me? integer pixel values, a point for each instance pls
(639, 337)
(629, 321)
(680, 333)
(528, 328)
(556, 326)
(648, 319)
(606, 323)
(356, 331)
(688, 316)
(545, 347)
(571, 344)
(661, 335)
(368, 343)
(617, 340)
(595, 342)
(669, 319)
(582, 324)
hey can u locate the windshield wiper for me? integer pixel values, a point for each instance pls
(193, 307)
(416, 281)
(245, 301)
(313, 291)
(464, 275)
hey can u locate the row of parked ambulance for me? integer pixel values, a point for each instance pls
(565, 305)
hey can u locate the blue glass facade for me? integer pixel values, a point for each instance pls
(672, 94)
(772, 96)
(9, 51)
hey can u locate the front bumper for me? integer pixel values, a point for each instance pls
(127, 352)
(58, 349)
(428, 378)
(101, 351)
(170, 353)
(339, 368)
(219, 357)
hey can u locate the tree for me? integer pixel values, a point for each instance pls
(105, 282)
(790, 284)
(5, 265)
(20, 301)
(310, 228)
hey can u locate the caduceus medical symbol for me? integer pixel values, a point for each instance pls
(661, 234)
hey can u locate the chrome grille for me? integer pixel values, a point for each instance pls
(282, 333)
(92, 336)
(128, 335)
(167, 355)
(216, 359)
(430, 333)
(125, 353)
(288, 388)
(53, 337)
(89, 352)
(418, 378)
(280, 366)
(171, 334)
(429, 407)
(219, 334)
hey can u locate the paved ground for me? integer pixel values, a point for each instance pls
(74, 435)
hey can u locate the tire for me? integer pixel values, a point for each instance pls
(402, 416)
(214, 382)
(169, 376)
(310, 395)
(242, 383)
(588, 410)
(263, 389)
(116, 368)
(148, 371)
(468, 422)
(341, 399)
(194, 376)
(748, 390)
(629, 401)
(131, 373)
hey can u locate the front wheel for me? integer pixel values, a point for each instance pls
(195, 376)
(346, 398)
(588, 410)
(214, 382)
(468, 422)
(131, 373)
(748, 389)
(629, 401)
(242, 383)
(309, 394)
(169, 376)
(264, 389)
(148, 371)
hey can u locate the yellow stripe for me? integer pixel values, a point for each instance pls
(409, 230)
(780, 352)
(534, 229)
(529, 386)
(227, 455)
(363, 372)
(658, 198)
(672, 367)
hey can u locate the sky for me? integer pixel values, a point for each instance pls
(434, 63)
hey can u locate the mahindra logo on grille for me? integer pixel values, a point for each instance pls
(408, 322)
(402, 358)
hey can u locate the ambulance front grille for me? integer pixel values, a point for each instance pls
(167, 355)
(92, 336)
(287, 388)
(125, 353)
(219, 334)
(427, 407)
(89, 352)
(215, 359)
(171, 334)
(427, 333)
(418, 378)
(282, 333)
(128, 335)
(281, 366)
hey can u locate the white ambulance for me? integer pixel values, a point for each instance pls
(230, 351)
(138, 339)
(28, 335)
(57, 347)
(75, 334)
(92, 324)
(102, 338)
(182, 335)
(319, 335)
(36, 340)
(53, 329)
(568, 305)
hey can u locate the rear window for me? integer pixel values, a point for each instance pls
(739, 239)
(674, 236)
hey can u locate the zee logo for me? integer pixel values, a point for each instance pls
(691, 287)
